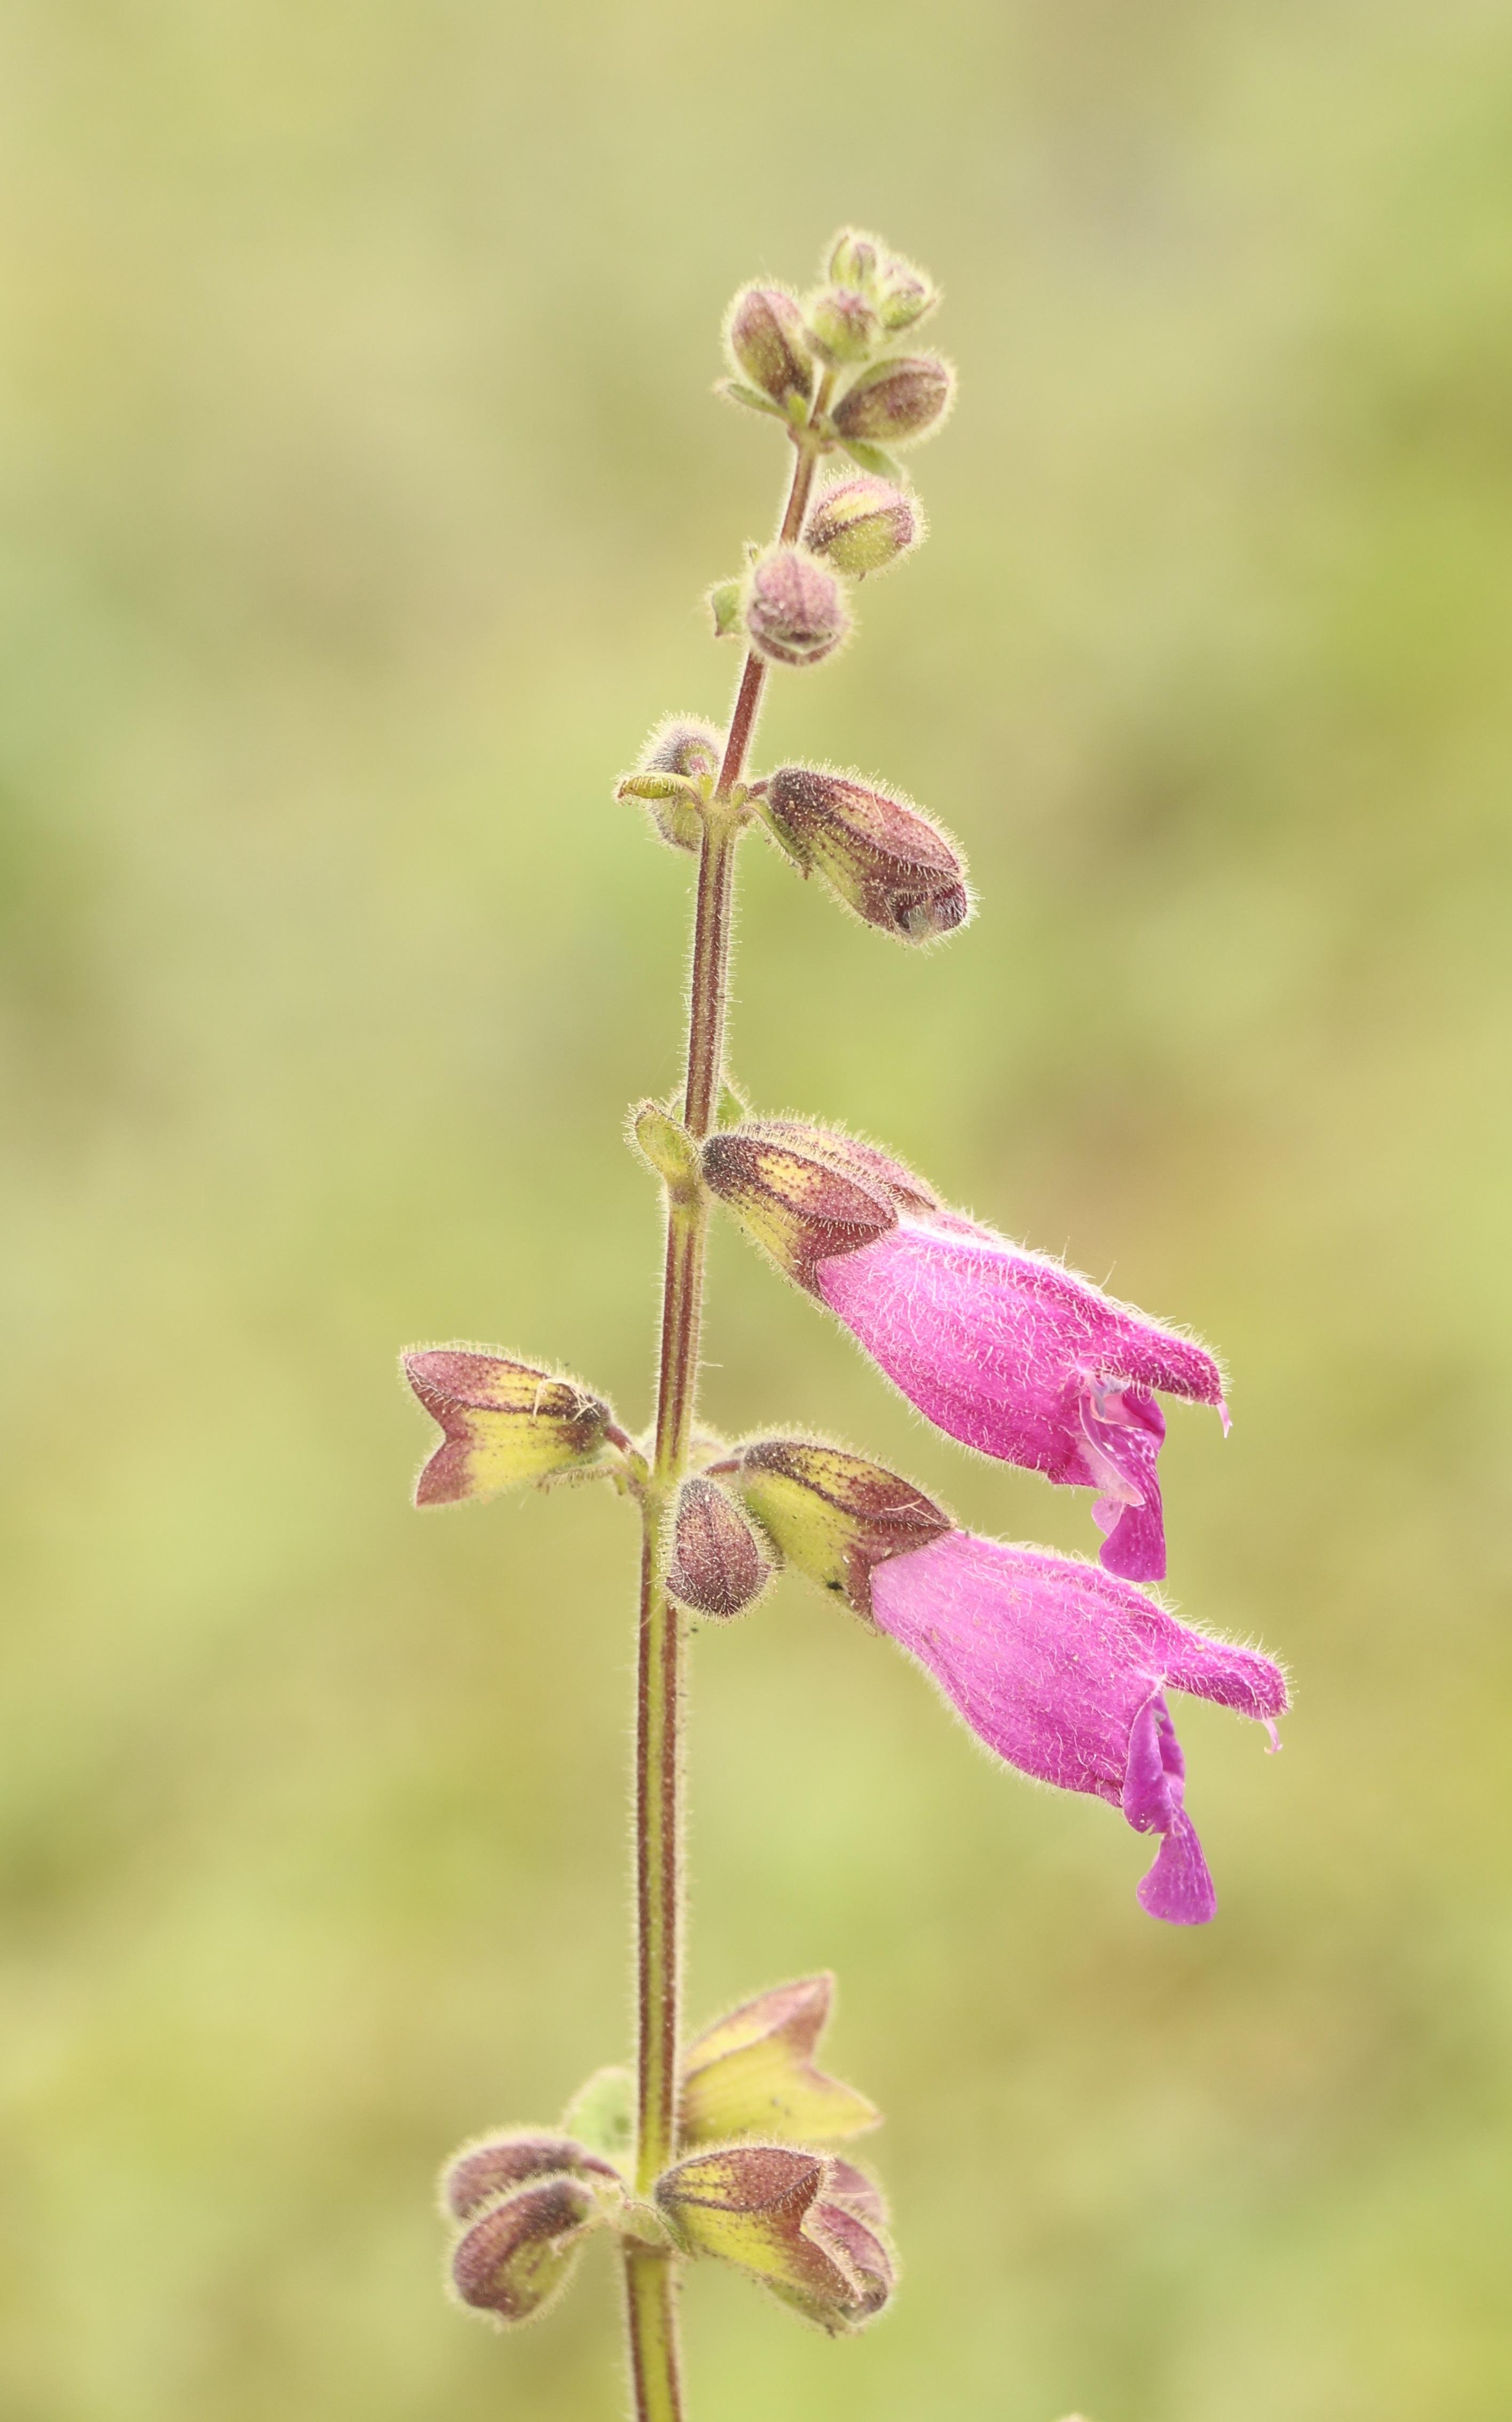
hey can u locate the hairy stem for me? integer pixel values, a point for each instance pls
(753, 675)
(651, 2285)
(651, 2307)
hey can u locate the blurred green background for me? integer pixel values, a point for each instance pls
(361, 479)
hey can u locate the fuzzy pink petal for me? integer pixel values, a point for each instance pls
(1134, 1519)
(1023, 1361)
(983, 1342)
(1178, 1887)
(1060, 1668)
(1153, 1777)
(1044, 1671)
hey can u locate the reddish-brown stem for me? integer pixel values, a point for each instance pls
(753, 673)
(650, 2281)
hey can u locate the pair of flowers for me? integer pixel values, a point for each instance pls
(1060, 1666)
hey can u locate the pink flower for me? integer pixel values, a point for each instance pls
(1002, 1348)
(1019, 1356)
(1063, 1670)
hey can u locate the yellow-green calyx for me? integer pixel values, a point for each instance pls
(753, 2073)
(832, 1514)
(505, 1424)
(800, 2223)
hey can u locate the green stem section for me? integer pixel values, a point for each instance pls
(651, 2274)
(651, 2307)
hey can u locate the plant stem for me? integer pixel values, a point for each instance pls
(650, 2306)
(753, 677)
(651, 2282)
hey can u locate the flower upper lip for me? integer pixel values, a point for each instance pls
(1004, 1349)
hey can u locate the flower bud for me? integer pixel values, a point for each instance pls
(900, 293)
(896, 401)
(495, 2165)
(834, 1516)
(767, 340)
(904, 295)
(841, 324)
(682, 749)
(796, 610)
(852, 258)
(862, 524)
(684, 744)
(503, 1423)
(754, 2072)
(797, 1206)
(666, 1143)
(879, 855)
(512, 2261)
(770, 2210)
(719, 1566)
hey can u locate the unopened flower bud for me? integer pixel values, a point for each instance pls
(796, 611)
(794, 1201)
(504, 1423)
(667, 1147)
(852, 258)
(896, 401)
(843, 326)
(862, 524)
(834, 1516)
(513, 2260)
(495, 2165)
(684, 744)
(754, 2072)
(771, 2210)
(682, 749)
(879, 855)
(904, 294)
(720, 1566)
(767, 340)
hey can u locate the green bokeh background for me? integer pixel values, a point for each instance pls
(361, 479)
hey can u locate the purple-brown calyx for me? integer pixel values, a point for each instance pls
(769, 342)
(496, 2165)
(896, 401)
(888, 863)
(796, 611)
(718, 1566)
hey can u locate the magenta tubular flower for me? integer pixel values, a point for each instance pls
(1004, 1349)
(1063, 1670)
(1023, 1360)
